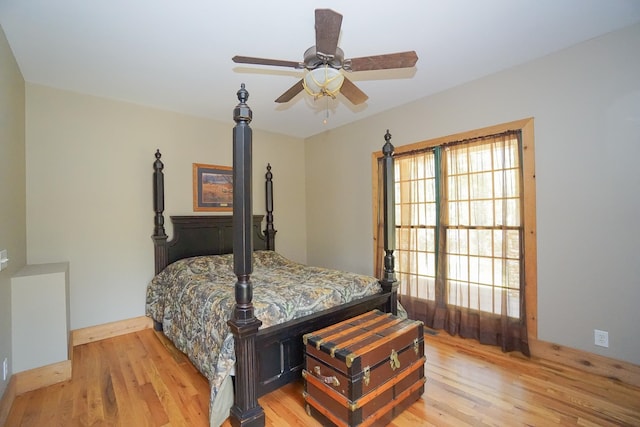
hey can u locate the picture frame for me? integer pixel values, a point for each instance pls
(212, 188)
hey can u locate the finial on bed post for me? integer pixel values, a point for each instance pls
(159, 236)
(389, 282)
(270, 231)
(244, 325)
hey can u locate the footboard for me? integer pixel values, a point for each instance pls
(280, 348)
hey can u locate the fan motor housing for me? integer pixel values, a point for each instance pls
(313, 59)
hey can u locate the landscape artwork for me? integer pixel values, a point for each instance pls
(212, 188)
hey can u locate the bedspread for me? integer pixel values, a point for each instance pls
(193, 298)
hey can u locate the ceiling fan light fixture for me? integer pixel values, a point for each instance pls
(325, 61)
(323, 81)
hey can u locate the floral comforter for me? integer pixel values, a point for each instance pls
(193, 298)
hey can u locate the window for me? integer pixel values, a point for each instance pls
(465, 246)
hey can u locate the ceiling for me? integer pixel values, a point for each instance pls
(176, 55)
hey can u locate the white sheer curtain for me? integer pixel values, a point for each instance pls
(416, 212)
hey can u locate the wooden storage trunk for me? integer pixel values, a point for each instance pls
(365, 370)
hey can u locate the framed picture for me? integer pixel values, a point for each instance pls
(212, 188)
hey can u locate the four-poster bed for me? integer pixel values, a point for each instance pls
(268, 346)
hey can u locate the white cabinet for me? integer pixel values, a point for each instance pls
(40, 315)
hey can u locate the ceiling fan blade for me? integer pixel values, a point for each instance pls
(352, 92)
(264, 61)
(383, 62)
(328, 25)
(291, 92)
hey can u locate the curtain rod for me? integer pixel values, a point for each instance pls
(458, 142)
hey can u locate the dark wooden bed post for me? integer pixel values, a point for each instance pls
(159, 235)
(389, 282)
(244, 325)
(270, 231)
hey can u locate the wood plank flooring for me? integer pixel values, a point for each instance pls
(140, 379)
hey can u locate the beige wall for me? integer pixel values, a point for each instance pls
(12, 189)
(586, 105)
(89, 191)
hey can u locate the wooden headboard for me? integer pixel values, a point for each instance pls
(196, 235)
(205, 235)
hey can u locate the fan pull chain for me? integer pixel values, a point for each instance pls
(326, 117)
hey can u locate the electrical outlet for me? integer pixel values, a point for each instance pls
(601, 338)
(5, 369)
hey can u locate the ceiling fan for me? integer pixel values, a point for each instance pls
(325, 59)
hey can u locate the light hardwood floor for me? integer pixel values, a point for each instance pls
(140, 379)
